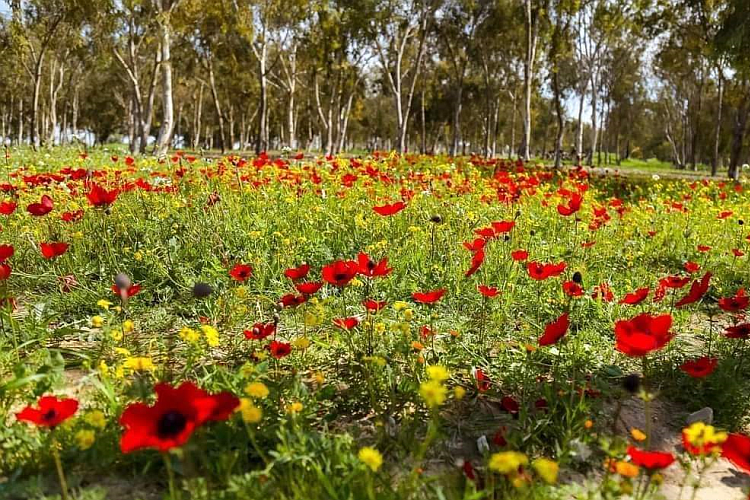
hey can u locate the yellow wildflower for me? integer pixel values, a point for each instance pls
(96, 419)
(128, 326)
(212, 335)
(85, 438)
(433, 393)
(139, 364)
(507, 462)
(371, 458)
(438, 373)
(104, 304)
(547, 469)
(294, 408)
(257, 390)
(638, 435)
(97, 321)
(250, 413)
(189, 335)
(459, 392)
(301, 343)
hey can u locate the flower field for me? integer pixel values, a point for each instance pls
(383, 327)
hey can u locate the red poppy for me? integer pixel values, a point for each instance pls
(391, 209)
(72, 216)
(741, 331)
(737, 252)
(241, 272)
(476, 262)
(603, 292)
(170, 422)
(573, 205)
(488, 291)
(555, 330)
(502, 227)
(483, 381)
(5, 271)
(374, 306)
(425, 332)
(259, 331)
(572, 289)
(651, 460)
(485, 232)
(724, 215)
(703, 248)
(54, 249)
(51, 411)
(428, 297)
(510, 405)
(371, 269)
(469, 471)
(309, 288)
(297, 273)
(674, 281)
(100, 197)
(692, 267)
(291, 300)
(6, 252)
(697, 290)
(341, 272)
(736, 303)
(279, 349)
(42, 208)
(132, 290)
(8, 207)
(539, 271)
(634, 298)
(346, 323)
(643, 334)
(736, 449)
(519, 255)
(701, 367)
(476, 245)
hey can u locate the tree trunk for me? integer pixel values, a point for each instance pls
(532, 27)
(167, 122)
(34, 126)
(456, 123)
(261, 142)
(217, 105)
(738, 136)
(717, 133)
(560, 118)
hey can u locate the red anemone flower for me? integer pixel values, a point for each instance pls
(674, 281)
(519, 255)
(291, 300)
(279, 349)
(297, 273)
(259, 331)
(374, 306)
(72, 216)
(736, 303)
(510, 405)
(476, 262)
(391, 209)
(132, 290)
(42, 208)
(488, 291)
(504, 226)
(346, 323)
(428, 297)
(701, 367)
(6, 252)
(703, 248)
(8, 207)
(309, 288)
(370, 268)
(634, 298)
(51, 411)
(555, 330)
(741, 331)
(539, 271)
(483, 381)
(54, 249)
(5, 271)
(170, 422)
(341, 272)
(697, 290)
(475, 245)
(241, 272)
(572, 289)
(643, 334)
(100, 197)
(736, 449)
(651, 460)
(573, 205)
(692, 267)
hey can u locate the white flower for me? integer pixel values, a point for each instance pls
(482, 444)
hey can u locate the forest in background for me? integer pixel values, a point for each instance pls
(589, 81)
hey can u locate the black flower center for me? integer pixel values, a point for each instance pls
(50, 415)
(170, 424)
(340, 276)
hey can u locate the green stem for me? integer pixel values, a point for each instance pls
(60, 473)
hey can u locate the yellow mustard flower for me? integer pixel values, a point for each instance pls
(250, 413)
(96, 419)
(97, 321)
(433, 393)
(507, 462)
(257, 390)
(547, 469)
(85, 438)
(139, 364)
(438, 373)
